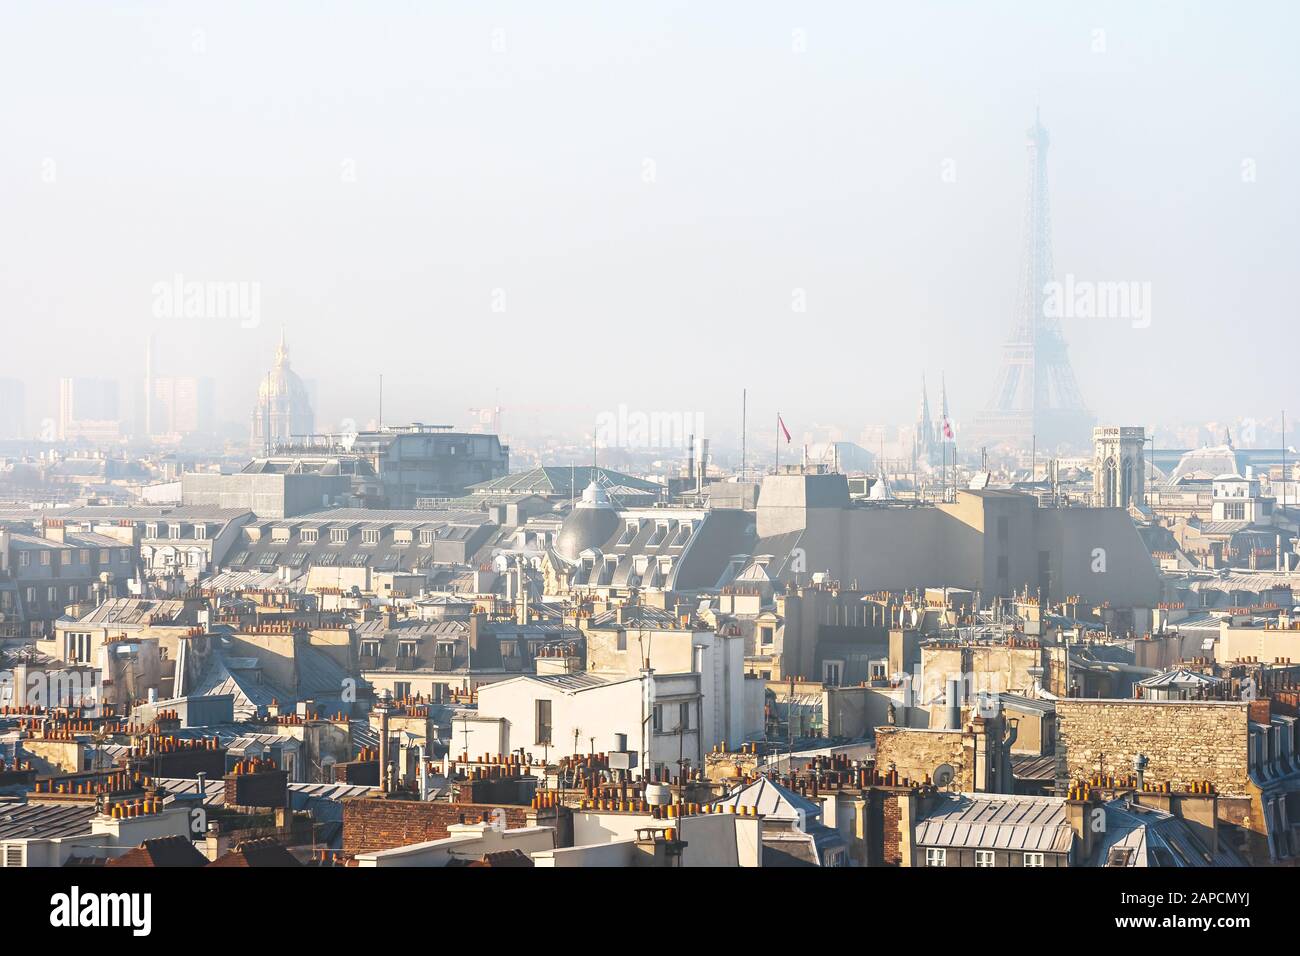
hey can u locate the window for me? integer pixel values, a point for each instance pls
(370, 648)
(765, 635)
(309, 535)
(684, 716)
(1234, 511)
(543, 722)
(1033, 859)
(24, 558)
(105, 556)
(370, 536)
(45, 558)
(200, 532)
(408, 649)
(402, 690)
(338, 535)
(935, 857)
(831, 672)
(658, 722)
(174, 532)
(984, 858)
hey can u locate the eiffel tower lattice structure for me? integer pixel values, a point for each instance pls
(1036, 399)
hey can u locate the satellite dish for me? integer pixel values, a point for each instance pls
(942, 775)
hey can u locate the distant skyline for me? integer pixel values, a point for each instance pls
(563, 211)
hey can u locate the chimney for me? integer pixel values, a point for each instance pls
(384, 756)
(1081, 810)
(952, 705)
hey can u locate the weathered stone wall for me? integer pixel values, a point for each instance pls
(1184, 741)
(916, 753)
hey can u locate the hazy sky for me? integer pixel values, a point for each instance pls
(643, 188)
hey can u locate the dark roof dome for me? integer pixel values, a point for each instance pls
(592, 522)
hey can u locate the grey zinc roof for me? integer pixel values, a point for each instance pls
(301, 795)
(1144, 836)
(997, 822)
(773, 800)
(1181, 677)
(33, 821)
(125, 611)
(559, 481)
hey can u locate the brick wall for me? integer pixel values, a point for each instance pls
(891, 816)
(182, 763)
(364, 773)
(371, 823)
(266, 788)
(1184, 741)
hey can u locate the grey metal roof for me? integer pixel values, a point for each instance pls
(1181, 677)
(771, 799)
(299, 793)
(1145, 836)
(136, 611)
(1033, 767)
(33, 821)
(997, 822)
(559, 481)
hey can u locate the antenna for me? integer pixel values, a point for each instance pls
(744, 411)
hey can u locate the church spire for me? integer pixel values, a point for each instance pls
(282, 351)
(925, 425)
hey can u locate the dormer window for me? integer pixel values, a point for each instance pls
(174, 532)
(309, 535)
(371, 536)
(338, 535)
(151, 530)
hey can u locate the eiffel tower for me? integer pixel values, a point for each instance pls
(1036, 399)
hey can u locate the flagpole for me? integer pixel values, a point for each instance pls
(776, 463)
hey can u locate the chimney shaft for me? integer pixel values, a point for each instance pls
(952, 704)
(383, 748)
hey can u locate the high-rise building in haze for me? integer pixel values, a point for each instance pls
(181, 405)
(13, 396)
(89, 408)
